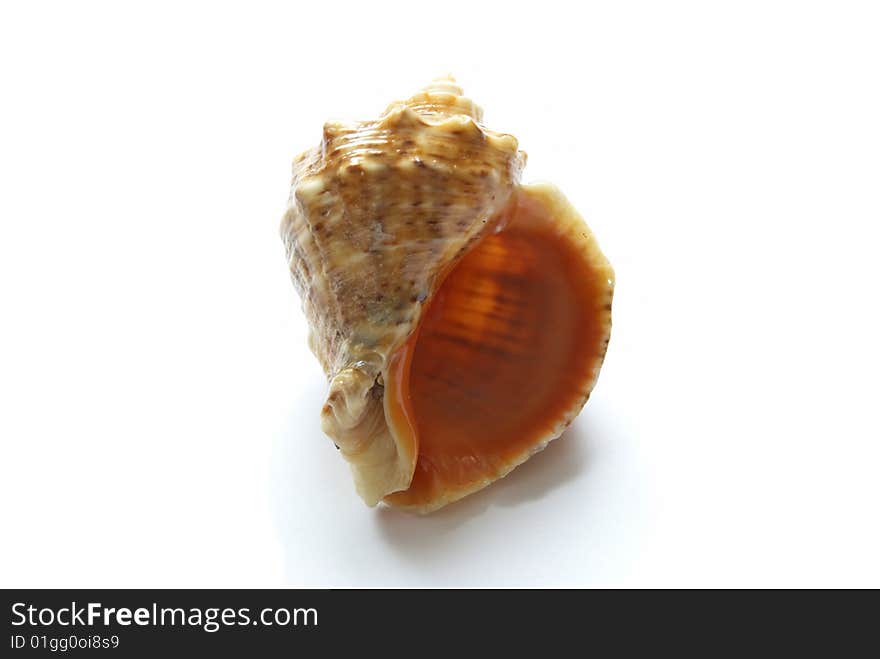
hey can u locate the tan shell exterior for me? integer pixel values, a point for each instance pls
(376, 212)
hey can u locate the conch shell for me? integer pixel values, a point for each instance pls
(460, 317)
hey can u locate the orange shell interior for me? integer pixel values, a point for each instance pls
(505, 354)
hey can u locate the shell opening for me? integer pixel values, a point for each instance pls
(505, 354)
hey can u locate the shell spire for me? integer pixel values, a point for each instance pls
(439, 100)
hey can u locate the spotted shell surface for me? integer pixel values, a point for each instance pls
(377, 212)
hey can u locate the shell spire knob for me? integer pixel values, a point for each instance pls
(443, 85)
(440, 100)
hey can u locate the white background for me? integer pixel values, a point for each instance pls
(159, 406)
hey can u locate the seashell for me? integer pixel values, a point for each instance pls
(461, 317)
